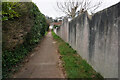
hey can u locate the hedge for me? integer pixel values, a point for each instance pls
(12, 58)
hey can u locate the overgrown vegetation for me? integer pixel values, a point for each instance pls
(55, 26)
(74, 65)
(8, 11)
(25, 30)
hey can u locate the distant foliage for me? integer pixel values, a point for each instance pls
(55, 26)
(11, 58)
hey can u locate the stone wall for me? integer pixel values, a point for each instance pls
(95, 38)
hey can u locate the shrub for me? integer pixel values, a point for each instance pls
(11, 58)
(8, 11)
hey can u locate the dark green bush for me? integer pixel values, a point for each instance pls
(11, 58)
(55, 26)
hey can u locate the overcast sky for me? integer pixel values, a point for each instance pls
(49, 8)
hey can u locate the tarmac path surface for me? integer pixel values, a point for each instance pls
(43, 62)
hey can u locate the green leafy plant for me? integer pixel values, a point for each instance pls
(8, 11)
(12, 58)
(55, 26)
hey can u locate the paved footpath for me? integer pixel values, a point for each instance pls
(43, 62)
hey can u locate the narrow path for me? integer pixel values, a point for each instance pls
(43, 63)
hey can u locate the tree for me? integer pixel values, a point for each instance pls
(75, 7)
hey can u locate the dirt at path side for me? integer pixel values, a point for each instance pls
(43, 62)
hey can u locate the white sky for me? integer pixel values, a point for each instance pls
(49, 8)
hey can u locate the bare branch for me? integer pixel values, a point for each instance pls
(72, 7)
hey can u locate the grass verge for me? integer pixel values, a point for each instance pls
(75, 66)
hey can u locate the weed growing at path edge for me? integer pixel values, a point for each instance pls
(74, 65)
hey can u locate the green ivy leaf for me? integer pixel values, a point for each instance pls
(5, 18)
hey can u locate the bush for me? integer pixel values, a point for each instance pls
(8, 11)
(55, 26)
(11, 58)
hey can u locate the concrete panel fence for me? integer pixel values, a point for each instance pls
(95, 38)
